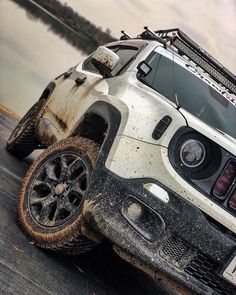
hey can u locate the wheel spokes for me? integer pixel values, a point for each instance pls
(76, 189)
(55, 215)
(79, 177)
(36, 201)
(38, 183)
(64, 167)
(69, 206)
(50, 172)
(58, 190)
(43, 217)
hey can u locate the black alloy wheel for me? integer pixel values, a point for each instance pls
(51, 200)
(57, 190)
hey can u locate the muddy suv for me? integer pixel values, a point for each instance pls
(140, 150)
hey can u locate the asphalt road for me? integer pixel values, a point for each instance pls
(26, 269)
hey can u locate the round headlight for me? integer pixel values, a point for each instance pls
(192, 153)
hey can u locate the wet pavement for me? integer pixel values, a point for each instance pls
(26, 269)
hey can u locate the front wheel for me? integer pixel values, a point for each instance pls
(22, 141)
(51, 198)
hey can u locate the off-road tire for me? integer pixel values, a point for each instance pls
(66, 239)
(25, 142)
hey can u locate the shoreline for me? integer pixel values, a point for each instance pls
(9, 112)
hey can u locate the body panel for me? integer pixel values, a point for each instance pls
(132, 162)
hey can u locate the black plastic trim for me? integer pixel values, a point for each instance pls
(113, 118)
(48, 91)
(203, 177)
(161, 127)
(182, 220)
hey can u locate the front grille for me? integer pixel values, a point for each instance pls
(179, 253)
(176, 251)
(204, 270)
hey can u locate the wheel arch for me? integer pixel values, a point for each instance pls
(99, 123)
(48, 91)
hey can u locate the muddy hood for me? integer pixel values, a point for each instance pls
(224, 140)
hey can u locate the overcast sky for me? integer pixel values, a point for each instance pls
(211, 23)
(31, 54)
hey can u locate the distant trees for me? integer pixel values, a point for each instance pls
(76, 21)
(83, 34)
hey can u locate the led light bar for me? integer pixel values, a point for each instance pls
(199, 56)
(218, 76)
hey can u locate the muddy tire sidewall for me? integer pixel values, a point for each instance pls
(23, 143)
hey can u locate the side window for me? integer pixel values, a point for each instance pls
(161, 76)
(126, 54)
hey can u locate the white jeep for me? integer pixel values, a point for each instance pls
(141, 151)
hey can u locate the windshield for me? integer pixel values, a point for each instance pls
(126, 52)
(193, 94)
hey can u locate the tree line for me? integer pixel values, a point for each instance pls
(78, 30)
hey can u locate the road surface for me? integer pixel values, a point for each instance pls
(28, 270)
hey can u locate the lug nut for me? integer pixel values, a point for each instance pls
(60, 188)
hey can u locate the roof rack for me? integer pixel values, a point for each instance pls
(125, 36)
(186, 46)
(149, 34)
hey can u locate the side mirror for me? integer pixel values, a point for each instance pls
(143, 69)
(105, 60)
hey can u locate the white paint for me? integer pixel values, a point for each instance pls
(106, 57)
(157, 191)
(134, 153)
(151, 161)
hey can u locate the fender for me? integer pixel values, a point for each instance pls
(112, 117)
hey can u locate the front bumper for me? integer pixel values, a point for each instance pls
(173, 237)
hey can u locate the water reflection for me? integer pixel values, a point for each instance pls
(31, 54)
(79, 39)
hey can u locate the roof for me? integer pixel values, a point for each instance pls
(185, 46)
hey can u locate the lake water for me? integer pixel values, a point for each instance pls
(31, 54)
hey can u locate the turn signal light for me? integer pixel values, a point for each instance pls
(224, 181)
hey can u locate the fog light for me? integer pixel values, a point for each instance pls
(143, 219)
(134, 211)
(192, 153)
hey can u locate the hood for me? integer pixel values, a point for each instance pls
(222, 139)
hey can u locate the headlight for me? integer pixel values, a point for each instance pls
(192, 153)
